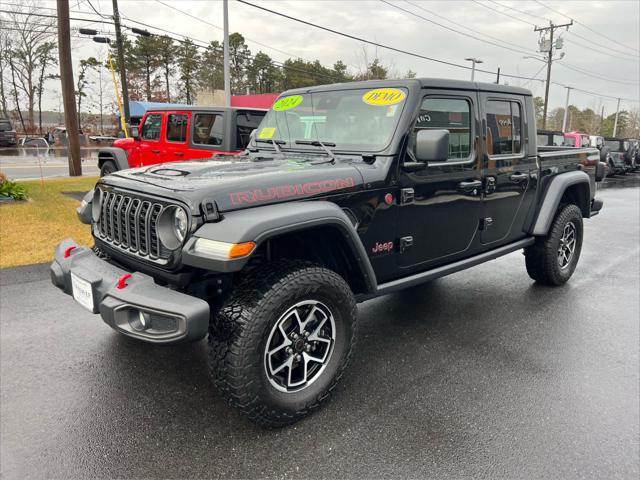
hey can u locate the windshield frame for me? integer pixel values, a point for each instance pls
(341, 148)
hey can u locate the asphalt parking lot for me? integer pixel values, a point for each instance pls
(482, 374)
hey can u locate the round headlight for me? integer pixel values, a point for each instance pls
(180, 223)
(173, 226)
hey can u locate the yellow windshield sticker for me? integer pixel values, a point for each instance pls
(267, 132)
(287, 103)
(384, 96)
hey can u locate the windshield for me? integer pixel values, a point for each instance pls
(5, 126)
(361, 120)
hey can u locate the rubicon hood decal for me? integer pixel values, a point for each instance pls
(281, 192)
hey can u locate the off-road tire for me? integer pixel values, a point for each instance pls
(542, 257)
(107, 168)
(239, 330)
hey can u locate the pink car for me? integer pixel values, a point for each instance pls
(576, 139)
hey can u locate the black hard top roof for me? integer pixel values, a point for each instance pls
(547, 132)
(435, 83)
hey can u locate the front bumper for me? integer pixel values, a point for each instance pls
(169, 316)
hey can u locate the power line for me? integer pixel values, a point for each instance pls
(592, 48)
(594, 75)
(524, 12)
(526, 52)
(377, 44)
(503, 13)
(589, 28)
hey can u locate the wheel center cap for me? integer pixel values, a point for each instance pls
(298, 345)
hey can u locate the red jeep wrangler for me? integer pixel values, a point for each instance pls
(170, 135)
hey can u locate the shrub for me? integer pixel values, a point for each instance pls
(12, 189)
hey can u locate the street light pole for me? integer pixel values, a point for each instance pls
(227, 72)
(566, 111)
(123, 73)
(473, 66)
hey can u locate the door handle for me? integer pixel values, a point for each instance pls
(519, 177)
(155, 151)
(470, 187)
(179, 154)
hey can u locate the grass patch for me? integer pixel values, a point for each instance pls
(30, 230)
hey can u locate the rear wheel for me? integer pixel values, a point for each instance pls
(553, 258)
(280, 343)
(107, 168)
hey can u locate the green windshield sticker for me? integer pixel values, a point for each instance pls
(267, 132)
(287, 103)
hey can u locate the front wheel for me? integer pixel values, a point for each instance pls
(107, 168)
(552, 259)
(280, 343)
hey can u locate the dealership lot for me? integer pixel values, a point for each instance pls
(480, 374)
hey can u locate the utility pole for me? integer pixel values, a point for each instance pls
(473, 66)
(68, 88)
(601, 119)
(227, 70)
(566, 111)
(551, 28)
(615, 123)
(123, 73)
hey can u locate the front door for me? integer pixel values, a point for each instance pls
(441, 205)
(509, 188)
(152, 146)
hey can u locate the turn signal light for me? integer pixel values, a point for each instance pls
(241, 249)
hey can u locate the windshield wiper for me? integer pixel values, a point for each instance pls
(276, 143)
(318, 143)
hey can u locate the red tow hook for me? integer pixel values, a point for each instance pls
(122, 281)
(68, 250)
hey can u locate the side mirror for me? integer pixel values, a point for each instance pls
(432, 145)
(135, 133)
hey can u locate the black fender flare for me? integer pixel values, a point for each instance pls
(262, 223)
(118, 155)
(552, 196)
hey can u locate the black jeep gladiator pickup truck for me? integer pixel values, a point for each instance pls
(346, 192)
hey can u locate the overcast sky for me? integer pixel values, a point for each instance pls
(616, 59)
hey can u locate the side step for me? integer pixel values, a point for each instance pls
(418, 278)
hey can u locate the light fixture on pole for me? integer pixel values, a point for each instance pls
(473, 65)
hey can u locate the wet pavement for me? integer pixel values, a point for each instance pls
(481, 374)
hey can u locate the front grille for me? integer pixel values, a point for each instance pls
(130, 223)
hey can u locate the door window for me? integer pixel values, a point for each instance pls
(151, 128)
(177, 128)
(504, 127)
(208, 129)
(451, 114)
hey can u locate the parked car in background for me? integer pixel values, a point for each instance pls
(576, 139)
(634, 153)
(620, 149)
(8, 135)
(550, 138)
(170, 135)
(605, 152)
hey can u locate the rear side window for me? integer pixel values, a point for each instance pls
(208, 129)
(451, 114)
(151, 128)
(177, 127)
(570, 141)
(504, 127)
(246, 122)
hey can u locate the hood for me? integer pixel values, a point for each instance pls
(237, 182)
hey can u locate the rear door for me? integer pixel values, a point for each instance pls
(152, 145)
(509, 163)
(176, 136)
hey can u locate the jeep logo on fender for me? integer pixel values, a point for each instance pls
(292, 190)
(385, 247)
